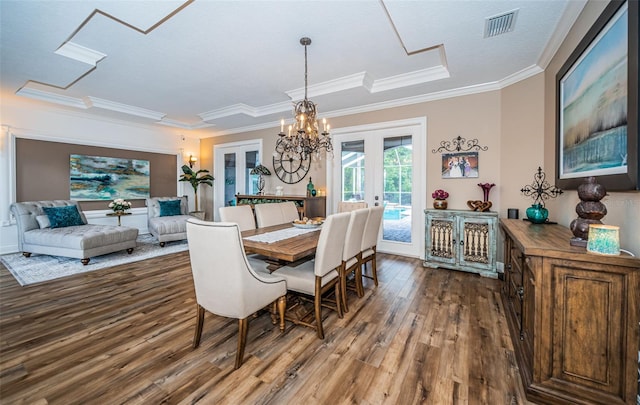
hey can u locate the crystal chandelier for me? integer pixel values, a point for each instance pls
(304, 137)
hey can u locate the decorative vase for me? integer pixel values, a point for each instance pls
(486, 187)
(590, 211)
(440, 204)
(537, 214)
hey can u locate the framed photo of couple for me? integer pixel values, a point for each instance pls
(459, 165)
(597, 104)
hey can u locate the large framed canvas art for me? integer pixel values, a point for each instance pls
(597, 104)
(108, 178)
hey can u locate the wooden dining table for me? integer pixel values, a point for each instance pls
(285, 250)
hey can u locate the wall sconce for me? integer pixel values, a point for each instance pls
(192, 160)
(604, 239)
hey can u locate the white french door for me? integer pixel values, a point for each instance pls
(384, 164)
(233, 163)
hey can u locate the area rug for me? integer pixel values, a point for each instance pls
(39, 268)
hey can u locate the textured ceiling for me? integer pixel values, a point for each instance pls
(231, 66)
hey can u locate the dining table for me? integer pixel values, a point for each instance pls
(296, 243)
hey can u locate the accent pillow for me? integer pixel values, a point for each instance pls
(43, 221)
(61, 217)
(169, 208)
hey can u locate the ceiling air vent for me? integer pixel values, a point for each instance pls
(500, 24)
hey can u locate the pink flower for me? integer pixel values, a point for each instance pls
(440, 195)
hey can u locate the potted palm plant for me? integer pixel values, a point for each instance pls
(202, 176)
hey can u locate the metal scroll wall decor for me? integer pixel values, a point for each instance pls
(459, 144)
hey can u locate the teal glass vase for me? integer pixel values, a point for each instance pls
(537, 214)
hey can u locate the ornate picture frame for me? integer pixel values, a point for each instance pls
(597, 104)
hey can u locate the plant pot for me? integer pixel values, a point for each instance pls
(440, 204)
(537, 214)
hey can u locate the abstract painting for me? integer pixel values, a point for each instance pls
(596, 99)
(108, 178)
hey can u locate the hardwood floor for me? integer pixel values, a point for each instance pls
(123, 335)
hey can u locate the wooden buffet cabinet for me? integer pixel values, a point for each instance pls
(573, 317)
(309, 207)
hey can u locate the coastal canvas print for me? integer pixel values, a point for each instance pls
(108, 178)
(459, 165)
(593, 106)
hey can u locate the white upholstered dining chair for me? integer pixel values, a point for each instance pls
(240, 214)
(319, 276)
(275, 213)
(225, 283)
(351, 253)
(347, 206)
(369, 243)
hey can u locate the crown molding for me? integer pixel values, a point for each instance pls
(568, 18)
(361, 79)
(51, 97)
(411, 79)
(519, 76)
(441, 95)
(245, 109)
(179, 124)
(123, 108)
(80, 53)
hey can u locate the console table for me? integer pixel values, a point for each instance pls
(461, 240)
(573, 317)
(309, 207)
(118, 214)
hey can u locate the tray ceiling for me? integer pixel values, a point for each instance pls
(232, 66)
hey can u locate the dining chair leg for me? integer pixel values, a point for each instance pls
(374, 268)
(339, 301)
(282, 306)
(243, 327)
(317, 303)
(199, 323)
(359, 286)
(343, 287)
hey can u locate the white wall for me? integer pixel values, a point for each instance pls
(28, 119)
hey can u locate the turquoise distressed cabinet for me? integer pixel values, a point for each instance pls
(461, 240)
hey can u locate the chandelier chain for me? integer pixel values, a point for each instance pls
(304, 137)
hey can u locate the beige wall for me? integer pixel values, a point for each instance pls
(623, 207)
(522, 143)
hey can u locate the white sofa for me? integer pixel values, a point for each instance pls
(167, 228)
(35, 234)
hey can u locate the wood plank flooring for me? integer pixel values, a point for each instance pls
(123, 336)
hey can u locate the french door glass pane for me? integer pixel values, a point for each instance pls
(353, 171)
(229, 178)
(398, 174)
(251, 185)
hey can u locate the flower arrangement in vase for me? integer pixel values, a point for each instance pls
(440, 199)
(119, 205)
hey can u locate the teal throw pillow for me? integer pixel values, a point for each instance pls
(60, 217)
(169, 208)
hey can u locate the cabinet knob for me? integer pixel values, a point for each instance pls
(521, 293)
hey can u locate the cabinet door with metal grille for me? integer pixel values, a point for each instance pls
(477, 245)
(441, 239)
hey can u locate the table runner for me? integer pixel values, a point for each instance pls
(271, 237)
